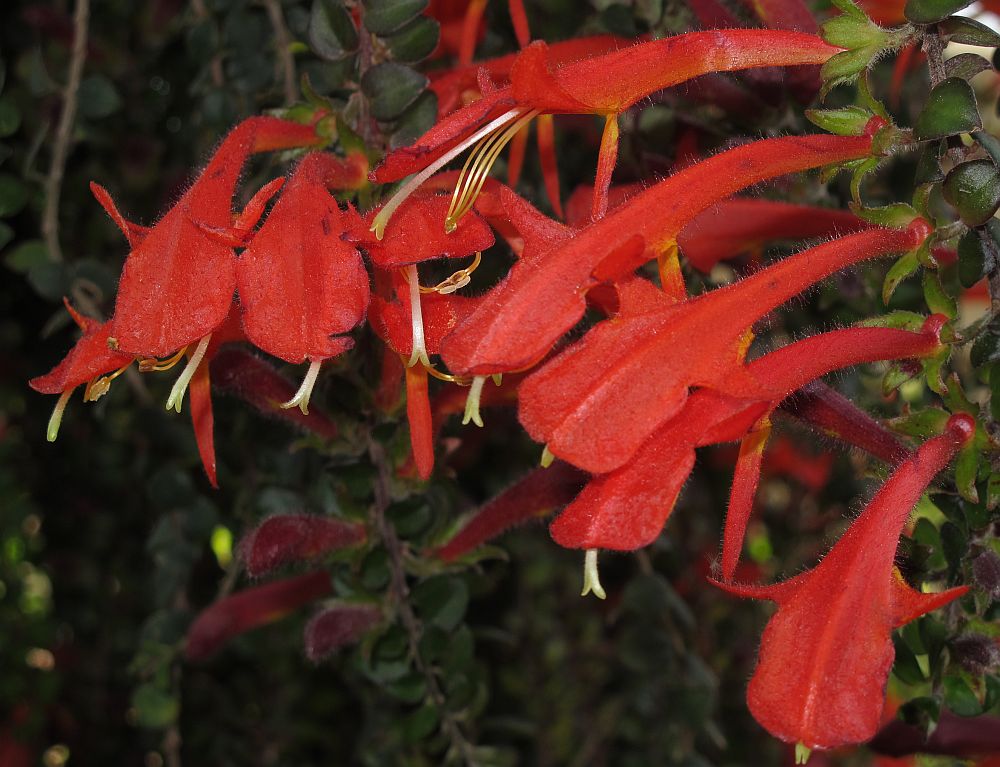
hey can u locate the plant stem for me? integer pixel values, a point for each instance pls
(399, 593)
(64, 133)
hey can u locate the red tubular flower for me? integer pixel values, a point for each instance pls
(178, 282)
(825, 655)
(836, 416)
(625, 509)
(240, 373)
(459, 85)
(599, 399)
(231, 616)
(337, 627)
(86, 363)
(534, 496)
(286, 538)
(603, 85)
(542, 298)
(300, 284)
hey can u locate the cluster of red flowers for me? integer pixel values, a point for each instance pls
(622, 409)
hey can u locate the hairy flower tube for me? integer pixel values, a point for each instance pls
(825, 655)
(629, 375)
(604, 85)
(544, 296)
(626, 508)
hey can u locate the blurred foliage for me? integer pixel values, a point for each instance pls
(111, 539)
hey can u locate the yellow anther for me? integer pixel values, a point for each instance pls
(458, 280)
(301, 397)
(176, 397)
(497, 379)
(101, 386)
(149, 364)
(413, 183)
(477, 168)
(56, 418)
(591, 578)
(547, 457)
(472, 402)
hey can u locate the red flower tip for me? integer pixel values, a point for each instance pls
(534, 496)
(337, 627)
(295, 538)
(826, 654)
(238, 372)
(231, 616)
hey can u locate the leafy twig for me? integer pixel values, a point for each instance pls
(283, 43)
(64, 133)
(399, 592)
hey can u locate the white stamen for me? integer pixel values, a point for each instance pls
(57, 413)
(301, 398)
(416, 319)
(176, 397)
(591, 579)
(382, 219)
(472, 402)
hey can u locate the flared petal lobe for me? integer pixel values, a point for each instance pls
(825, 655)
(300, 284)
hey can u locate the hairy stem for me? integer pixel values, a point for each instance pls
(399, 592)
(282, 43)
(64, 133)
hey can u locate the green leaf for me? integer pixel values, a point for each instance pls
(906, 668)
(904, 267)
(953, 544)
(958, 29)
(154, 706)
(416, 120)
(973, 259)
(49, 280)
(849, 121)
(932, 11)
(10, 117)
(973, 189)
(13, 195)
(959, 697)
(421, 723)
(441, 601)
(966, 65)
(950, 109)
(390, 88)
(966, 469)
(922, 424)
(846, 66)
(416, 41)
(98, 97)
(383, 17)
(27, 256)
(929, 165)
(938, 301)
(332, 34)
(895, 216)
(853, 32)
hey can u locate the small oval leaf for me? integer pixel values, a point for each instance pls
(390, 88)
(932, 11)
(950, 109)
(973, 189)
